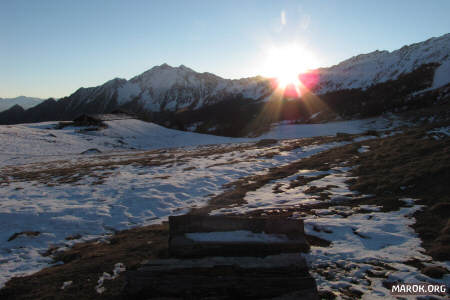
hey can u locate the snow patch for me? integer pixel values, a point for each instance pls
(127, 92)
(118, 268)
(442, 75)
(362, 241)
(66, 284)
(363, 149)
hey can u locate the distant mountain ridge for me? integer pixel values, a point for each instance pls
(364, 70)
(179, 97)
(24, 102)
(166, 88)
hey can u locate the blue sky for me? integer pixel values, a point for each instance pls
(51, 48)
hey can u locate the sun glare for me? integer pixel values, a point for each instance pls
(286, 63)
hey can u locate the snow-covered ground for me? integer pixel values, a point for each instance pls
(124, 187)
(293, 131)
(287, 196)
(130, 195)
(42, 141)
(26, 143)
(363, 238)
(365, 242)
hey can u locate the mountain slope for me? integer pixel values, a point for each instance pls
(166, 88)
(24, 102)
(178, 97)
(376, 67)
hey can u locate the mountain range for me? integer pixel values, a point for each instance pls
(179, 97)
(24, 102)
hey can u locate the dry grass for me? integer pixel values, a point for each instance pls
(405, 165)
(411, 165)
(411, 160)
(86, 262)
(64, 172)
(237, 190)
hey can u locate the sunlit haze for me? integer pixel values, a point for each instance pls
(286, 62)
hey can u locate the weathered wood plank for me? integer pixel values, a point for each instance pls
(198, 223)
(182, 246)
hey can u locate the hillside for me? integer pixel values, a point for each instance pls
(38, 142)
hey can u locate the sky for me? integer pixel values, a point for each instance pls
(52, 48)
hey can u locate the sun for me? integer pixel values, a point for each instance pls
(287, 62)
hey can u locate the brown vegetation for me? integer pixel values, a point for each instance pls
(410, 164)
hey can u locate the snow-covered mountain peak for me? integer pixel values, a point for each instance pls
(171, 88)
(164, 77)
(364, 70)
(116, 82)
(435, 45)
(166, 88)
(161, 69)
(183, 67)
(23, 101)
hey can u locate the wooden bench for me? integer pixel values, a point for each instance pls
(227, 257)
(200, 236)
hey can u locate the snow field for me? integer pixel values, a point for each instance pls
(129, 194)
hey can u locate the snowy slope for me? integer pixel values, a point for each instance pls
(24, 143)
(166, 88)
(365, 70)
(41, 141)
(106, 93)
(177, 88)
(24, 102)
